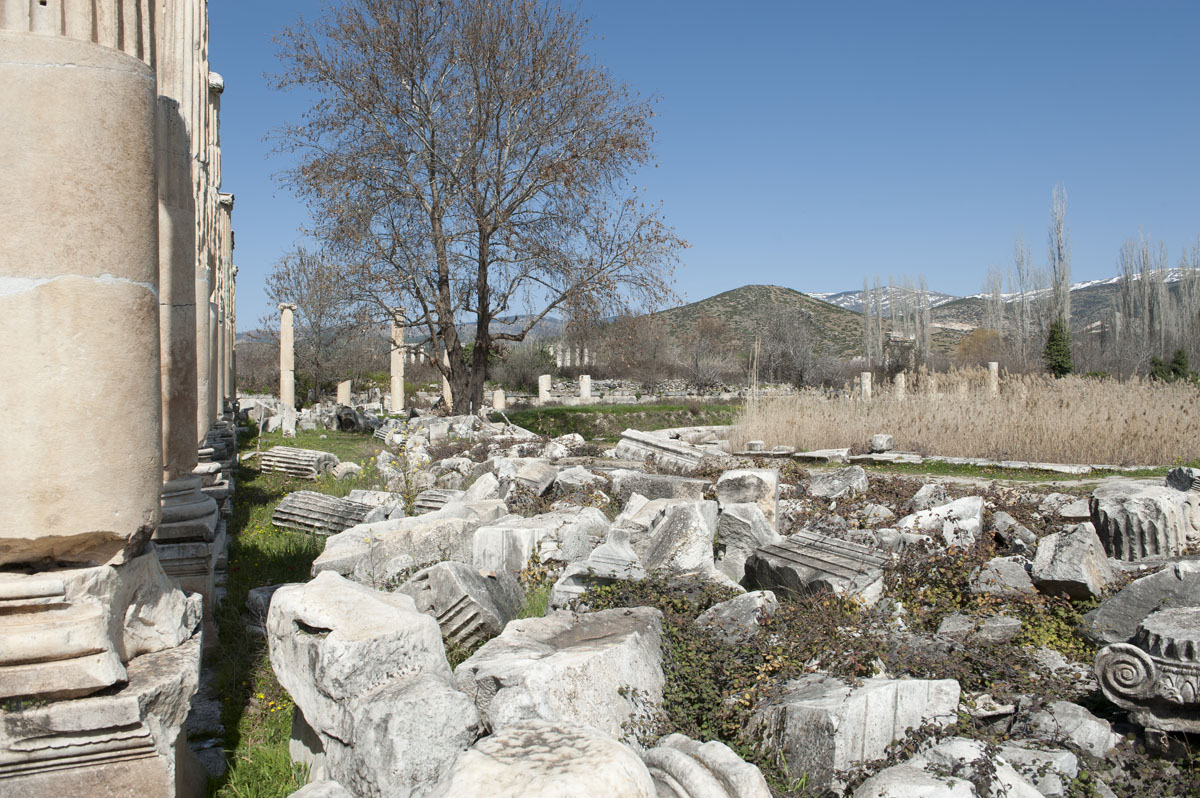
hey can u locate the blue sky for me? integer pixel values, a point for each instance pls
(809, 145)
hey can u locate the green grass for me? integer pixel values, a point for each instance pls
(606, 422)
(256, 710)
(939, 469)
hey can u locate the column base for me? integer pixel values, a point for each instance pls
(128, 742)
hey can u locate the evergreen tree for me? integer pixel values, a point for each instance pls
(1058, 349)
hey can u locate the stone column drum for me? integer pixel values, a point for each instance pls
(397, 368)
(864, 382)
(287, 357)
(86, 607)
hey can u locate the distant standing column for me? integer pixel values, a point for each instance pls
(397, 368)
(993, 379)
(864, 380)
(447, 395)
(585, 386)
(343, 392)
(543, 389)
(558, 355)
(498, 400)
(287, 357)
(901, 386)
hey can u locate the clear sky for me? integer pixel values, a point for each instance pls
(809, 145)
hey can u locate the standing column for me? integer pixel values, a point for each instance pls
(864, 385)
(901, 386)
(993, 379)
(558, 355)
(397, 365)
(447, 395)
(287, 357)
(79, 319)
(585, 387)
(224, 264)
(544, 385)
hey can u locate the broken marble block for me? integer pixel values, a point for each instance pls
(929, 496)
(741, 528)
(646, 446)
(1050, 771)
(564, 536)
(537, 476)
(751, 486)
(683, 540)
(627, 482)
(612, 561)
(736, 620)
(309, 511)
(376, 554)
(807, 562)
(469, 607)
(302, 463)
(1157, 676)
(601, 669)
(843, 483)
(542, 759)
(1117, 619)
(958, 522)
(1004, 576)
(333, 641)
(684, 768)
(1185, 479)
(576, 479)
(1072, 562)
(954, 767)
(1135, 520)
(881, 443)
(322, 789)
(1063, 721)
(821, 725)
(992, 629)
(432, 499)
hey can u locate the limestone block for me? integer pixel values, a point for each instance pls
(741, 528)
(843, 483)
(993, 629)
(961, 758)
(684, 768)
(683, 540)
(1117, 619)
(485, 487)
(881, 443)
(1050, 771)
(645, 446)
(564, 536)
(1072, 562)
(913, 782)
(407, 735)
(657, 486)
(737, 619)
(807, 562)
(309, 511)
(613, 560)
(751, 486)
(602, 670)
(1004, 576)
(1064, 721)
(537, 476)
(822, 725)
(958, 522)
(468, 606)
(540, 759)
(363, 552)
(929, 496)
(332, 641)
(577, 478)
(1135, 520)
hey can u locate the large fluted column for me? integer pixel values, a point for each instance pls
(287, 357)
(224, 262)
(82, 596)
(397, 367)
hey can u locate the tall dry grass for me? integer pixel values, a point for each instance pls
(1036, 418)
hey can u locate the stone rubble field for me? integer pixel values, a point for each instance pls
(515, 616)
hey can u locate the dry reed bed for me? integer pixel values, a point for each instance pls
(1071, 420)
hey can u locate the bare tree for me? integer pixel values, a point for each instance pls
(469, 158)
(1059, 248)
(329, 323)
